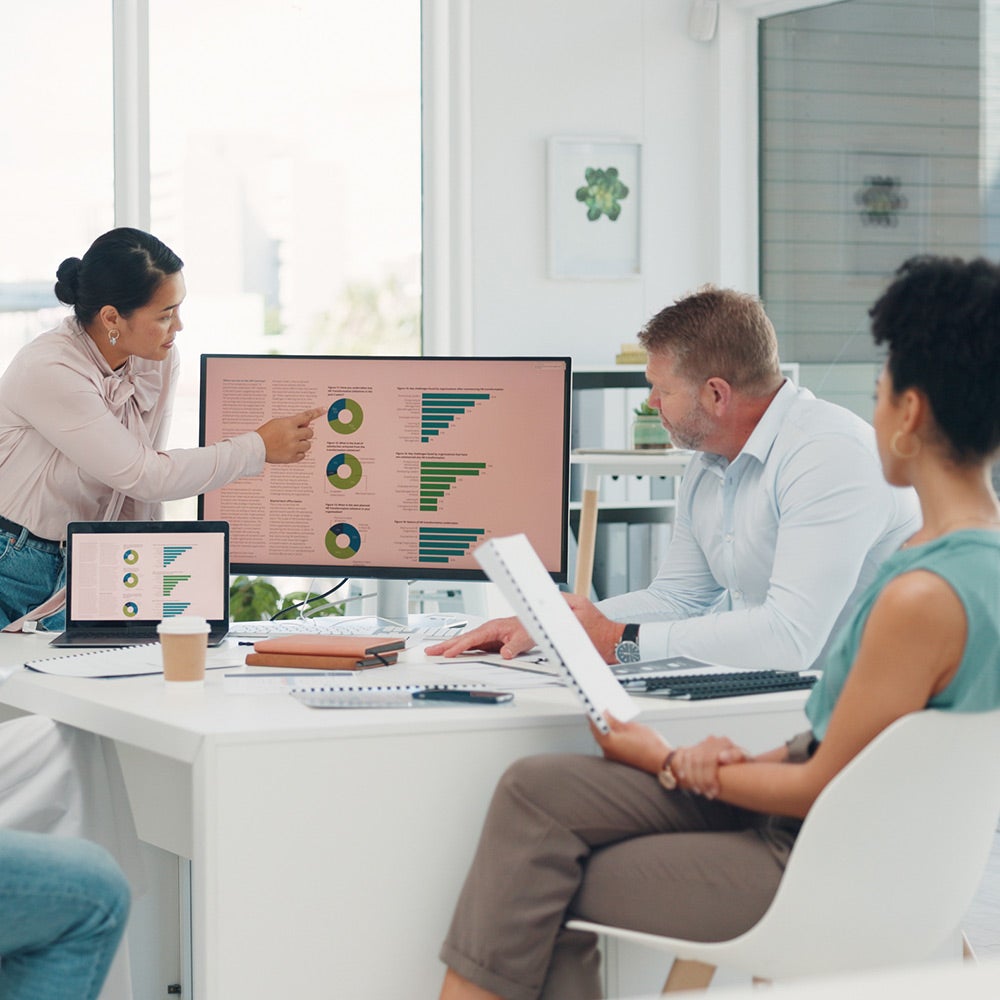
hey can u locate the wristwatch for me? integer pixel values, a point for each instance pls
(666, 775)
(627, 650)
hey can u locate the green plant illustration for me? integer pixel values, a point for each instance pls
(257, 599)
(602, 193)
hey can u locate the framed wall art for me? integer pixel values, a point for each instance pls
(594, 186)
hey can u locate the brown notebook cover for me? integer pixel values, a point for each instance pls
(273, 659)
(357, 646)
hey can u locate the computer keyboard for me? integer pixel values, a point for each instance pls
(333, 625)
(695, 687)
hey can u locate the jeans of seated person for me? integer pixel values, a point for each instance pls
(31, 571)
(63, 908)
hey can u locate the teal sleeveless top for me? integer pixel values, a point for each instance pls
(969, 562)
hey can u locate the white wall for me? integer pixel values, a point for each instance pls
(539, 68)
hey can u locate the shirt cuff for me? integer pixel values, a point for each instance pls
(251, 445)
(654, 640)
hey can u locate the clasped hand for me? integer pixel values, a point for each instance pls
(696, 767)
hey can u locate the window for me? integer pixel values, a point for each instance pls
(285, 171)
(58, 181)
(878, 141)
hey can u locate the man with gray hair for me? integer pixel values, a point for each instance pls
(783, 516)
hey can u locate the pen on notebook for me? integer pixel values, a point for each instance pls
(473, 697)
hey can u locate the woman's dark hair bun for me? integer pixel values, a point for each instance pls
(68, 280)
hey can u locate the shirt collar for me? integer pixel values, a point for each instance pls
(763, 436)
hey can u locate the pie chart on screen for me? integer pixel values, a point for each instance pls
(130, 609)
(345, 415)
(130, 580)
(343, 541)
(343, 471)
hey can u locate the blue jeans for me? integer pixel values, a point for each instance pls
(31, 571)
(63, 907)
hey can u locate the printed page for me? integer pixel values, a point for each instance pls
(515, 568)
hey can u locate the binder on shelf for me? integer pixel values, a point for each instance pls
(513, 565)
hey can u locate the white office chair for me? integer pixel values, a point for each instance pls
(884, 868)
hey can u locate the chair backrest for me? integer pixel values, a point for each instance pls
(891, 853)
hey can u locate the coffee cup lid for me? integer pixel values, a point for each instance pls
(183, 625)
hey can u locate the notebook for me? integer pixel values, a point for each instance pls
(513, 565)
(124, 577)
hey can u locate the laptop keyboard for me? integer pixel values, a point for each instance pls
(696, 687)
(343, 626)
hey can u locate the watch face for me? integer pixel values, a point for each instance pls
(627, 652)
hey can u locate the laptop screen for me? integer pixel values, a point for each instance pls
(140, 572)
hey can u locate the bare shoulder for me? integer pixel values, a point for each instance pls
(919, 596)
(917, 627)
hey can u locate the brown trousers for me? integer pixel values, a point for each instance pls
(576, 836)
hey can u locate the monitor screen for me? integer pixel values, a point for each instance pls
(415, 463)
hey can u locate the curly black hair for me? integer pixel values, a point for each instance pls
(940, 318)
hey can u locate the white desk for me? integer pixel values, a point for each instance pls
(328, 847)
(669, 462)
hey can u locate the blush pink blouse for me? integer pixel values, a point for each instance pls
(80, 442)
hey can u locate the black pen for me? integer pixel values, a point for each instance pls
(474, 697)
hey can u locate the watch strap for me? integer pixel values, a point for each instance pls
(630, 633)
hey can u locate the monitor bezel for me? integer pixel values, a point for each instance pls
(317, 571)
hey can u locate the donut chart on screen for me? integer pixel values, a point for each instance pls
(343, 541)
(130, 557)
(130, 609)
(130, 580)
(345, 416)
(343, 471)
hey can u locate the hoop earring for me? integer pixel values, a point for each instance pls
(894, 446)
(113, 336)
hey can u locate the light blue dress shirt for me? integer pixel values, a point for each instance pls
(770, 552)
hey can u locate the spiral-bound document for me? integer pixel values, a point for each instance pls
(513, 565)
(333, 695)
(122, 661)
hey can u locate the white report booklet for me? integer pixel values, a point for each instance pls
(513, 565)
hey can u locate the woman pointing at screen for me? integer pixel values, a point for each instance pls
(84, 415)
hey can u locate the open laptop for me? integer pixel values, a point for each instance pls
(124, 577)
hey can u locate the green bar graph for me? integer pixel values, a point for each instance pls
(441, 545)
(437, 478)
(438, 410)
(170, 581)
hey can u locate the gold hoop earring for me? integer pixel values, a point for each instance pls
(113, 336)
(894, 446)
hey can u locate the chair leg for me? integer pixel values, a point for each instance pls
(968, 954)
(688, 975)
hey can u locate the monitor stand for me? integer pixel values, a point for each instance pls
(393, 601)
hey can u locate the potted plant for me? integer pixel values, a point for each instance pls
(647, 431)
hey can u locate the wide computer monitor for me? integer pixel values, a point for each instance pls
(415, 462)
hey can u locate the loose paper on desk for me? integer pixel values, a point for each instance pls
(123, 661)
(513, 565)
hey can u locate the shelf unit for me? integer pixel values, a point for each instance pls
(634, 506)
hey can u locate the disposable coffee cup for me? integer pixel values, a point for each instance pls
(184, 641)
